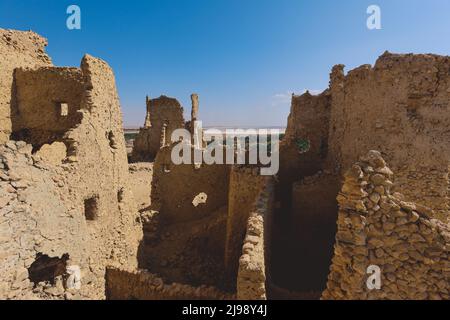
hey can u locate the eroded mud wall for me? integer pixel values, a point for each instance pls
(400, 107)
(246, 184)
(163, 112)
(185, 242)
(305, 145)
(48, 101)
(188, 192)
(68, 206)
(17, 49)
(313, 227)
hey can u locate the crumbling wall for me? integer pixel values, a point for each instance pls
(48, 101)
(377, 228)
(306, 210)
(31, 217)
(305, 145)
(400, 107)
(141, 175)
(17, 49)
(141, 285)
(163, 113)
(216, 200)
(41, 213)
(101, 164)
(252, 274)
(66, 204)
(313, 229)
(199, 190)
(245, 186)
(191, 205)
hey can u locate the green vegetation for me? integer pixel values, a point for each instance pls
(303, 145)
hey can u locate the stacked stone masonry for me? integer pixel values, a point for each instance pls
(251, 281)
(141, 285)
(377, 228)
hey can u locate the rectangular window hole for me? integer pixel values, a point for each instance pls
(63, 109)
(91, 208)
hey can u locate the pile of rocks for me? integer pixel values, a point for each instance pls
(142, 285)
(251, 281)
(377, 228)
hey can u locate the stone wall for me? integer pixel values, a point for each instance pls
(305, 145)
(40, 97)
(313, 224)
(191, 202)
(198, 191)
(251, 280)
(65, 201)
(141, 285)
(376, 227)
(245, 186)
(163, 112)
(141, 175)
(190, 252)
(399, 107)
(17, 49)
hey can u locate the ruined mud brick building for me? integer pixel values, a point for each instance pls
(164, 115)
(64, 174)
(68, 198)
(70, 201)
(199, 209)
(399, 221)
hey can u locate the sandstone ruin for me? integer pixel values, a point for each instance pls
(65, 189)
(164, 115)
(78, 221)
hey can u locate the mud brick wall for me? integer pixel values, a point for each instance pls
(161, 111)
(246, 184)
(400, 107)
(67, 195)
(305, 145)
(17, 49)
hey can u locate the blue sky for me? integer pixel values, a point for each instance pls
(243, 57)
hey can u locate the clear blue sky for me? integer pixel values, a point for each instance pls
(243, 57)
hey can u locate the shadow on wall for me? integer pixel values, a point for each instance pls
(185, 227)
(195, 228)
(305, 210)
(46, 105)
(45, 268)
(304, 235)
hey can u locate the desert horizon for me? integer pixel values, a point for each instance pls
(115, 184)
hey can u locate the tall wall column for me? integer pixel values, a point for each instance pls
(148, 121)
(163, 135)
(194, 111)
